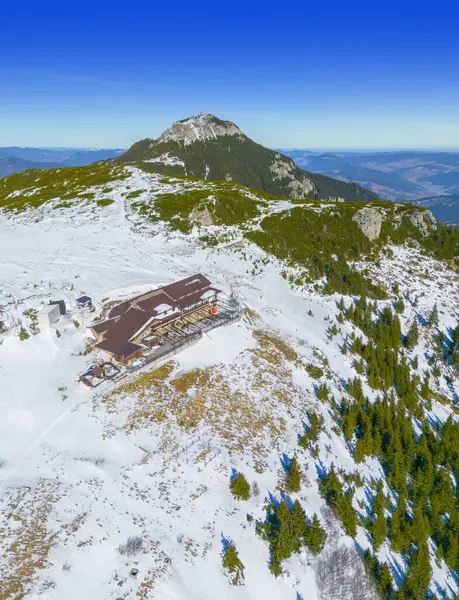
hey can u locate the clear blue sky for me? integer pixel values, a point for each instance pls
(368, 74)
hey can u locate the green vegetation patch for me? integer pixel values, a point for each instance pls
(135, 194)
(226, 205)
(31, 189)
(321, 242)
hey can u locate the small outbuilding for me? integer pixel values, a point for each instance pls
(84, 302)
(98, 372)
(48, 315)
(61, 305)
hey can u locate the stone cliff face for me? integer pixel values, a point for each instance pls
(369, 220)
(198, 128)
(424, 221)
(285, 170)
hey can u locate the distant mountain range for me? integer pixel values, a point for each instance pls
(207, 147)
(14, 159)
(430, 179)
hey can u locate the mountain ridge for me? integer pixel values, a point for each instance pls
(427, 178)
(207, 147)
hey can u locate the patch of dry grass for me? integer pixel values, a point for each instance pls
(243, 402)
(28, 540)
(275, 348)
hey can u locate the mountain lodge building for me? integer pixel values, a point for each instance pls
(132, 324)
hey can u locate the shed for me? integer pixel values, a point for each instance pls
(84, 302)
(61, 304)
(98, 372)
(48, 315)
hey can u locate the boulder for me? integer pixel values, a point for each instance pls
(202, 216)
(369, 220)
(424, 221)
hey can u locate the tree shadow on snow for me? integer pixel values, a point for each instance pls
(288, 501)
(398, 572)
(234, 473)
(453, 391)
(273, 500)
(285, 462)
(225, 543)
(322, 471)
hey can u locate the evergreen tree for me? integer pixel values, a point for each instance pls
(412, 337)
(425, 389)
(233, 565)
(347, 514)
(315, 535)
(419, 572)
(399, 306)
(299, 525)
(399, 535)
(283, 542)
(453, 352)
(432, 319)
(381, 574)
(285, 531)
(378, 526)
(240, 487)
(311, 436)
(294, 476)
(315, 425)
(323, 392)
(331, 488)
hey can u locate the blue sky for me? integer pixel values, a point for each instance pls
(298, 74)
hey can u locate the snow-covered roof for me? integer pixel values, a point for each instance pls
(208, 294)
(49, 308)
(163, 308)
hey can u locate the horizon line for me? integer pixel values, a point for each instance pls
(453, 150)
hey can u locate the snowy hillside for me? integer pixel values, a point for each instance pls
(82, 471)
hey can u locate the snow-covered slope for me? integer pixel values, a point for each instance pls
(82, 471)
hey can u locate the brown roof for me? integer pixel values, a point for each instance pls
(103, 326)
(187, 286)
(130, 317)
(129, 324)
(125, 349)
(152, 301)
(119, 309)
(98, 371)
(194, 298)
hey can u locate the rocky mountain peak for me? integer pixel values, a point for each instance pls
(198, 128)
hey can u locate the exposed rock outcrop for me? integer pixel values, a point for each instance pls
(202, 216)
(369, 220)
(285, 169)
(424, 221)
(198, 128)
